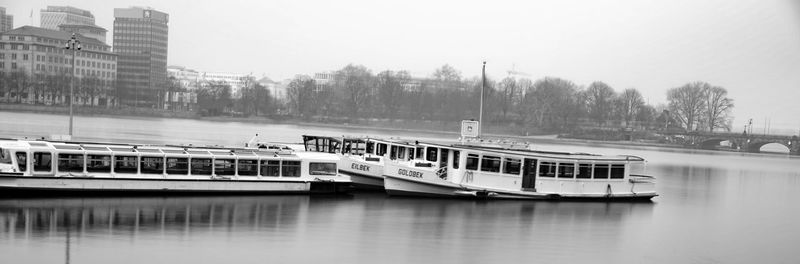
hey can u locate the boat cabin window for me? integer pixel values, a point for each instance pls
(271, 168)
(70, 162)
(152, 165)
(584, 171)
(177, 165)
(393, 152)
(224, 167)
(456, 156)
(566, 170)
(381, 149)
(370, 147)
(490, 164)
(125, 164)
(401, 153)
(512, 166)
(420, 152)
(291, 168)
(617, 171)
(98, 163)
(431, 154)
(22, 161)
(247, 168)
(356, 147)
(5, 156)
(322, 168)
(601, 171)
(200, 166)
(411, 153)
(472, 162)
(42, 162)
(547, 169)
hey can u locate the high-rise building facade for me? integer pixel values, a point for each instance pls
(6, 21)
(54, 16)
(140, 41)
(36, 57)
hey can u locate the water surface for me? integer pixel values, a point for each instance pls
(715, 207)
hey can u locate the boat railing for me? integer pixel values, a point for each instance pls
(639, 178)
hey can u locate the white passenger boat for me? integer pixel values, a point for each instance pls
(50, 166)
(503, 173)
(362, 158)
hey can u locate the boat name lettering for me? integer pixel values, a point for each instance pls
(360, 167)
(409, 173)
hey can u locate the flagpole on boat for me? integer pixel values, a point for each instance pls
(483, 86)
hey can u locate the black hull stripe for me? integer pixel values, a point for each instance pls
(154, 179)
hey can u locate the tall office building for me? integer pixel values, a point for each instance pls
(6, 21)
(54, 16)
(140, 41)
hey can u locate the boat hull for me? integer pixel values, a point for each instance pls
(27, 185)
(363, 181)
(400, 185)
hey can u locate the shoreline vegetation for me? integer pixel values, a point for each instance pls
(437, 127)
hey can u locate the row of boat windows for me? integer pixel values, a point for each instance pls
(171, 165)
(513, 166)
(583, 171)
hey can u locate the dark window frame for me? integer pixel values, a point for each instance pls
(491, 163)
(151, 165)
(510, 168)
(566, 170)
(124, 162)
(547, 169)
(473, 162)
(177, 166)
(252, 164)
(95, 163)
(68, 163)
(290, 168)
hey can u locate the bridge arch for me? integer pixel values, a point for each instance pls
(756, 146)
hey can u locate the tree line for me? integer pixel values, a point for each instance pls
(546, 104)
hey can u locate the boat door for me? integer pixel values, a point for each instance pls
(529, 175)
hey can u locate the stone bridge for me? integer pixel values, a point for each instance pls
(738, 141)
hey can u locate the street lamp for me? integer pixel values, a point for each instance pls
(75, 45)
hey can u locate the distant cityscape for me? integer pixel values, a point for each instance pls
(133, 72)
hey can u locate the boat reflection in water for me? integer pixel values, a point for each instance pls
(42, 217)
(356, 229)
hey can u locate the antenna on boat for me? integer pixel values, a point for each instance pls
(483, 86)
(250, 143)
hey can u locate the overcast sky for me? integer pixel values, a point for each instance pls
(750, 47)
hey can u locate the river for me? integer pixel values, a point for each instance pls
(714, 207)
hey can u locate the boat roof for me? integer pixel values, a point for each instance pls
(144, 149)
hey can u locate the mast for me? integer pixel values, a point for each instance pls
(483, 86)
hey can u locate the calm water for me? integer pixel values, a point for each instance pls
(714, 208)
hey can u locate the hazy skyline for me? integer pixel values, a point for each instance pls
(752, 48)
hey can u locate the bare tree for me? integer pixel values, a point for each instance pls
(510, 95)
(354, 83)
(390, 89)
(549, 100)
(629, 102)
(718, 107)
(447, 74)
(598, 99)
(686, 103)
(300, 94)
